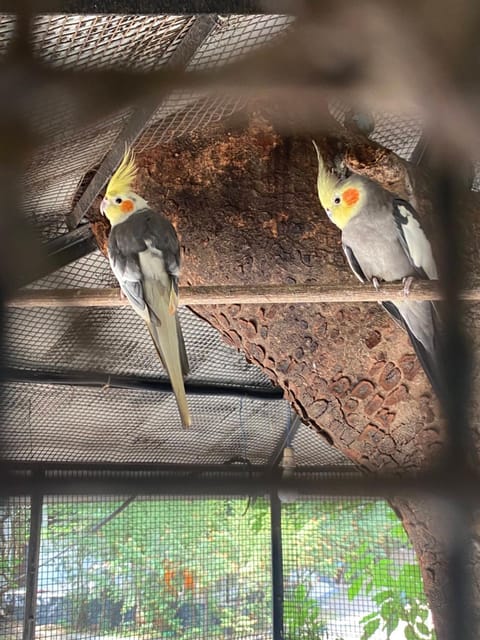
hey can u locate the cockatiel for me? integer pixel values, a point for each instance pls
(144, 254)
(383, 240)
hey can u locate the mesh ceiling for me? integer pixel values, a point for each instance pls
(134, 427)
(115, 341)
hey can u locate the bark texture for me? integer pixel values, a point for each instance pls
(244, 203)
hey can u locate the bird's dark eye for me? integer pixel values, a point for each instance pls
(337, 200)
(118, 201)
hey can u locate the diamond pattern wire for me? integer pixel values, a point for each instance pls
(309, 448)
(185, 111)
(139, 42)
(68, 152)
(108, 41)
(397, 132)
(91, 271)
(106, 425)
(115, 341)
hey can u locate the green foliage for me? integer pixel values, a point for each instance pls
(201, 568)
(199, 561)
(302, 616)
(359, 543)
(14, 529)
(397, 592)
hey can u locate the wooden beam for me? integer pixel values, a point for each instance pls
(231, 294)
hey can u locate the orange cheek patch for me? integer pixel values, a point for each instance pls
(126, 206)
(350, 196)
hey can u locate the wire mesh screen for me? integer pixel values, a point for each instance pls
(143, 43)
(186, 111)
(154, 568)
(398, 132)
(350, 572)
(115, 341)
(181, 567)
(309, 447)
(14, 535)
(107, 425)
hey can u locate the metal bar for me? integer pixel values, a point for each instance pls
(438, 484)
(276, 456)
(199, 31)
(65, 249)
(32, 565)
(93, 379)
(455, 358)
(138, 7)
(249, 294)
(277, 565)
(59, 470)
(72, 245)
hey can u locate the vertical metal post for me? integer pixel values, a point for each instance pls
(277, 565)
(36, 505)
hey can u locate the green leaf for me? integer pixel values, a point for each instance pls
(410, 633)
(381, 596)
(355, 587)
(369, 617)
(423, 613)
(381, 573)
(370, 628)
(392, 623)
(423, 629)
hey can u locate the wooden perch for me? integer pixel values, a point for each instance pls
(227, 294)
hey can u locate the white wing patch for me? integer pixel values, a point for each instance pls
(153, 266)
(171, 267)
(418, 245)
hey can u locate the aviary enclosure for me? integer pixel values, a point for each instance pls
(323, 490)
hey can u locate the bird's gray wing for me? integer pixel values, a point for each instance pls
(412, 237)
(353, 263)
(123, 255)
(162, 238)
(144, 230)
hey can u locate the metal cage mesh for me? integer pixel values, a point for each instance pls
(101, 591)
(73, 341)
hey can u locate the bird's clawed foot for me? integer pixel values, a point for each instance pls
(376, 283)
(407, 283)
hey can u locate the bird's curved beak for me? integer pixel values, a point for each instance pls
(103, 206)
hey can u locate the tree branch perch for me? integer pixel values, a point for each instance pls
(242, 294)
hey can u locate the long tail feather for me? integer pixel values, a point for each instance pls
(171, 349)
(428, 357)
(182, 349)
(164, 326)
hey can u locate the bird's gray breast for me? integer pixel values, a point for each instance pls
(374, 242)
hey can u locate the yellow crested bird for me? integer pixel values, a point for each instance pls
(144, 254)
(383, 239)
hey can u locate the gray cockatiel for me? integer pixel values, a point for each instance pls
(145, 257)
(383, 240)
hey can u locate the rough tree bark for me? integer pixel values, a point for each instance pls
(244, 202)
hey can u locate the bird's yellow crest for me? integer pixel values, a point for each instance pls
(341, 199)
(122, 180)
(326, 182)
